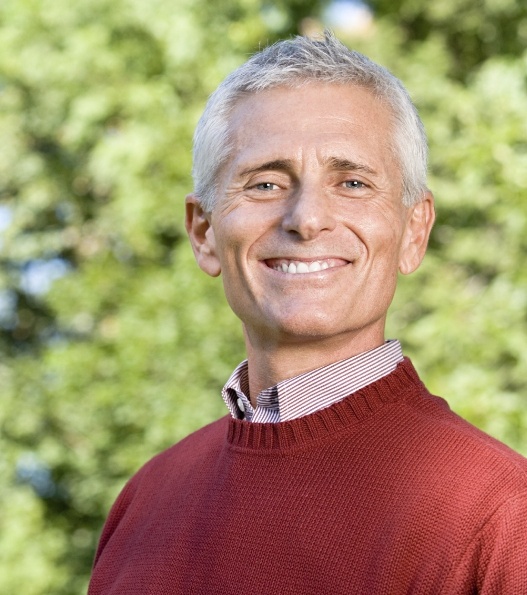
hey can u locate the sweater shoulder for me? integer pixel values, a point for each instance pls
(466, 449)
(161, 473)
(198, 445)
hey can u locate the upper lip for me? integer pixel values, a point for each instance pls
(280, 259)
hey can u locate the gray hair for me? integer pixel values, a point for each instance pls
(294, 63)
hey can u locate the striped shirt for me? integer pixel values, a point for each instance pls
(311, 391)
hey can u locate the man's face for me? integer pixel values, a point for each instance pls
(309, 230)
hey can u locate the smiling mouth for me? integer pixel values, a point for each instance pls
(301, 267)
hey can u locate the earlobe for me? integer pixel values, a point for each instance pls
(418, 228)
(201, 235)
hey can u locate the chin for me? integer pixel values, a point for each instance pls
(302, 327)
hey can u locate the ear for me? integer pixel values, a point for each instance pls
(421, 218)
(201, 235)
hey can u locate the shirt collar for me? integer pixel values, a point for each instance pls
(311, 391)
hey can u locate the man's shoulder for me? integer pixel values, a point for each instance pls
(155, 483)
(459, 431)
(197, 443)
(198, 446)
(462, 453)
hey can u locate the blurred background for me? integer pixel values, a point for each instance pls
(113, 344)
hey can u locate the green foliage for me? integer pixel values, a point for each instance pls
(472, 30)
(127, 352)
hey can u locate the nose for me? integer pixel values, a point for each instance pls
(308, 213)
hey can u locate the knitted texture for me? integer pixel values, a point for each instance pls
(386, 492)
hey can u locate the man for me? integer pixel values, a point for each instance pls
(336, 472)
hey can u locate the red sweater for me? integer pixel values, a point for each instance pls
(386, 492)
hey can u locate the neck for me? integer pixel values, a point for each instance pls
(270, 362)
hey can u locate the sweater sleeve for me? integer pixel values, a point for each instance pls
(114, 518)
(496, 561)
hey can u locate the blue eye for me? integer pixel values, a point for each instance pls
(266, 186)
(354, 184)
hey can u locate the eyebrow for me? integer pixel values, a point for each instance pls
(347, 165)
(335, 163)
(276, 165)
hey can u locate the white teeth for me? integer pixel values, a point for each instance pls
(298, 267)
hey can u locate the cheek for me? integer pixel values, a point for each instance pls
(241, 233)
(391, 233)
(381, 242)
(231, 253)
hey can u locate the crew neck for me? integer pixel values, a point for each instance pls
(346, 413)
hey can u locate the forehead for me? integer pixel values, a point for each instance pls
(332, 120)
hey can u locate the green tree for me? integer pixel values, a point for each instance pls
(472, 31)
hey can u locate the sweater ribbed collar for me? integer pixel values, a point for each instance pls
(326, 422)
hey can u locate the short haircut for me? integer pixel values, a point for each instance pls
(294, 63)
